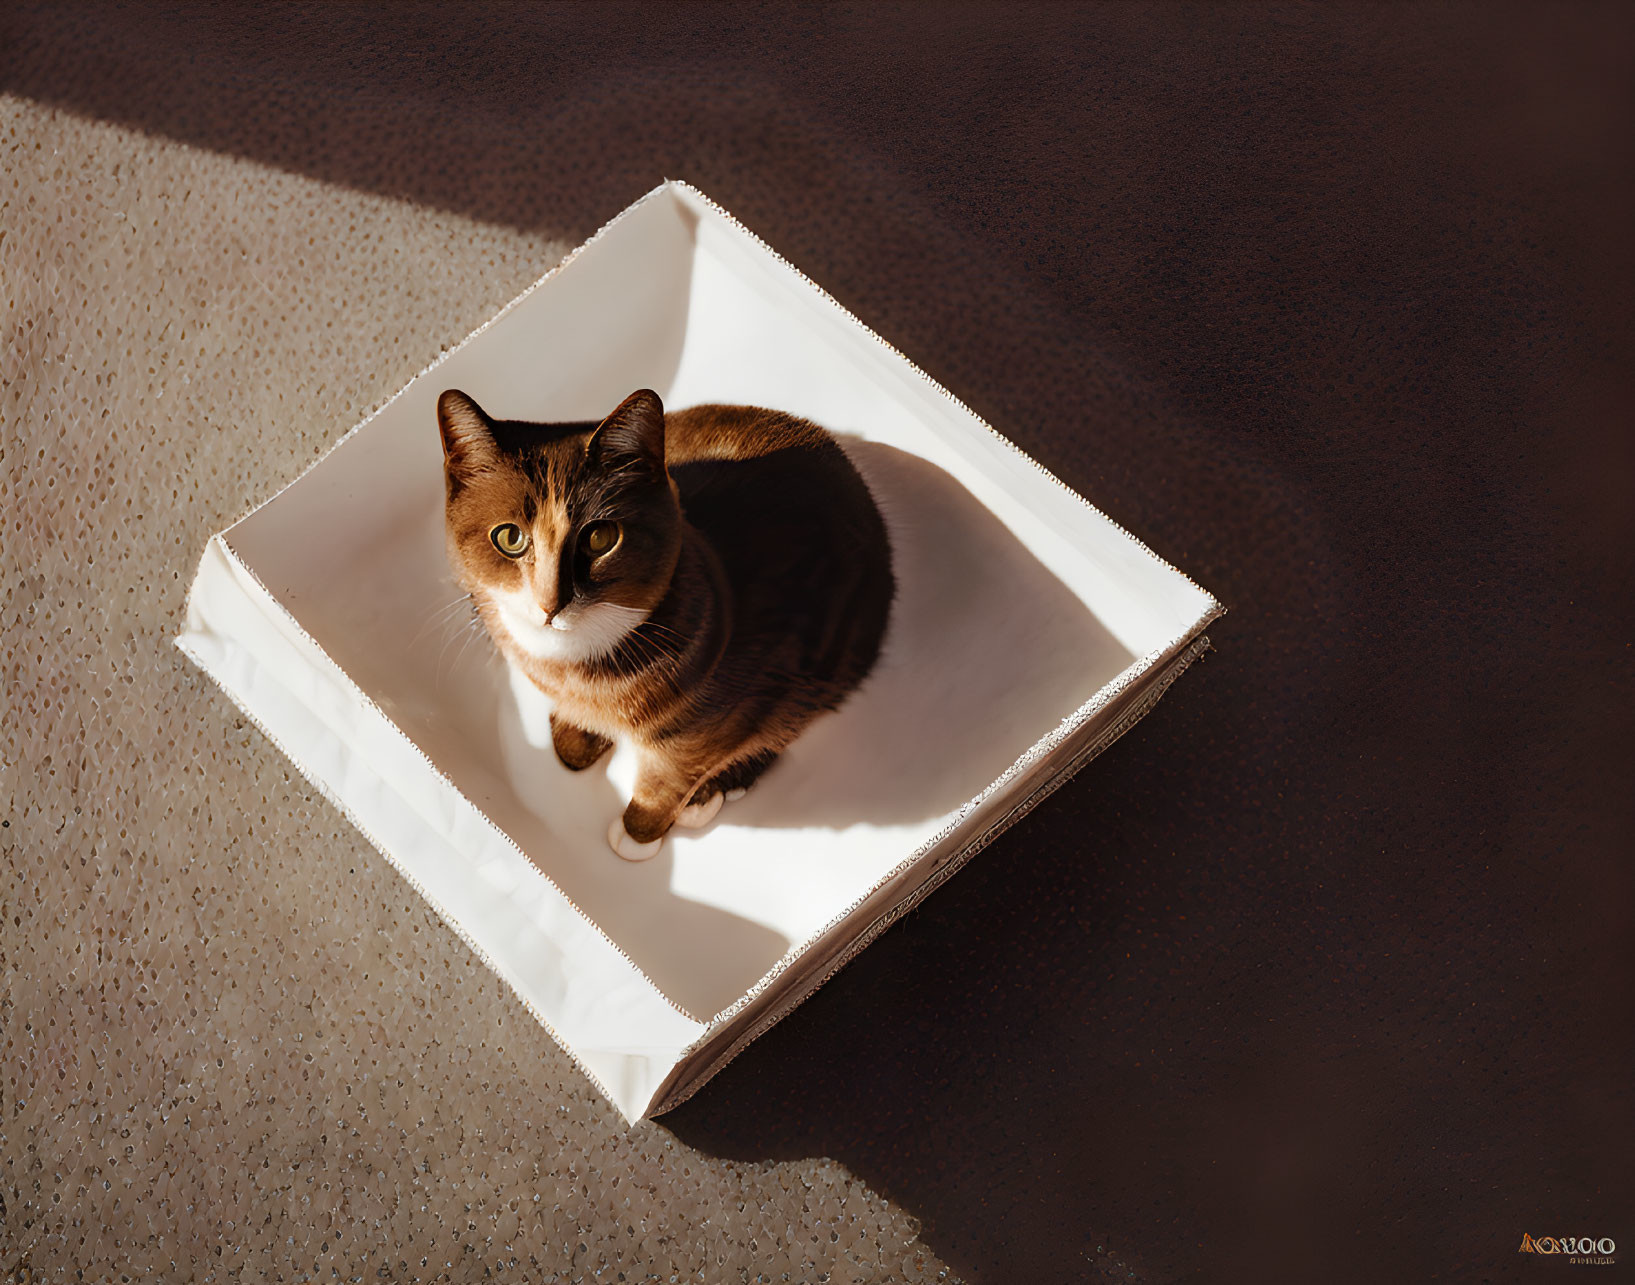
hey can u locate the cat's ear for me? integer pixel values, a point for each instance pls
(468, 433)
(633, 435)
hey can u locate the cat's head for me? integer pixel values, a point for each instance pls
(566, 535)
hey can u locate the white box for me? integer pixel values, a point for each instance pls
(1029, 632)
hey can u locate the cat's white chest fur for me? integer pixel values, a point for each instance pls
(579, 632)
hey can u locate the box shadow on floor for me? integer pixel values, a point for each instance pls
(931, 1066)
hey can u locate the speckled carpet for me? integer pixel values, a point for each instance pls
(235, 1044)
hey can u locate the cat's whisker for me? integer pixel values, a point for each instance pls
(657, 631)
(443, 608)
(465, 647)
(437, 617)
(663, 635)
(624, 651)
(465, 636)
(662, 664)
(648, 645)
(648, 648)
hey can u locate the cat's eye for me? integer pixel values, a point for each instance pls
(599, 537)
(509, 539)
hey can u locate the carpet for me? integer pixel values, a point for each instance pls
(236, 1044)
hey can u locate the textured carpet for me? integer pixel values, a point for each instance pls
(1323, 973)
(235, 1044)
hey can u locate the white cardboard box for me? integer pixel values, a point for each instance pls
(1029, 632)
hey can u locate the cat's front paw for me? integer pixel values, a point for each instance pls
(696, 815)
(619, 840)
(576, 748)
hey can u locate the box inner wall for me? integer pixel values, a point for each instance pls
(1017, 603)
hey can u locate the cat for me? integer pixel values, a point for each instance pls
(702, 582)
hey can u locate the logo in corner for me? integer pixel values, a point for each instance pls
(1588, 1251)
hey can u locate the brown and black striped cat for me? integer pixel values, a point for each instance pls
(703, 582)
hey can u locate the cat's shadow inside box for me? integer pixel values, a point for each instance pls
(986, 652)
